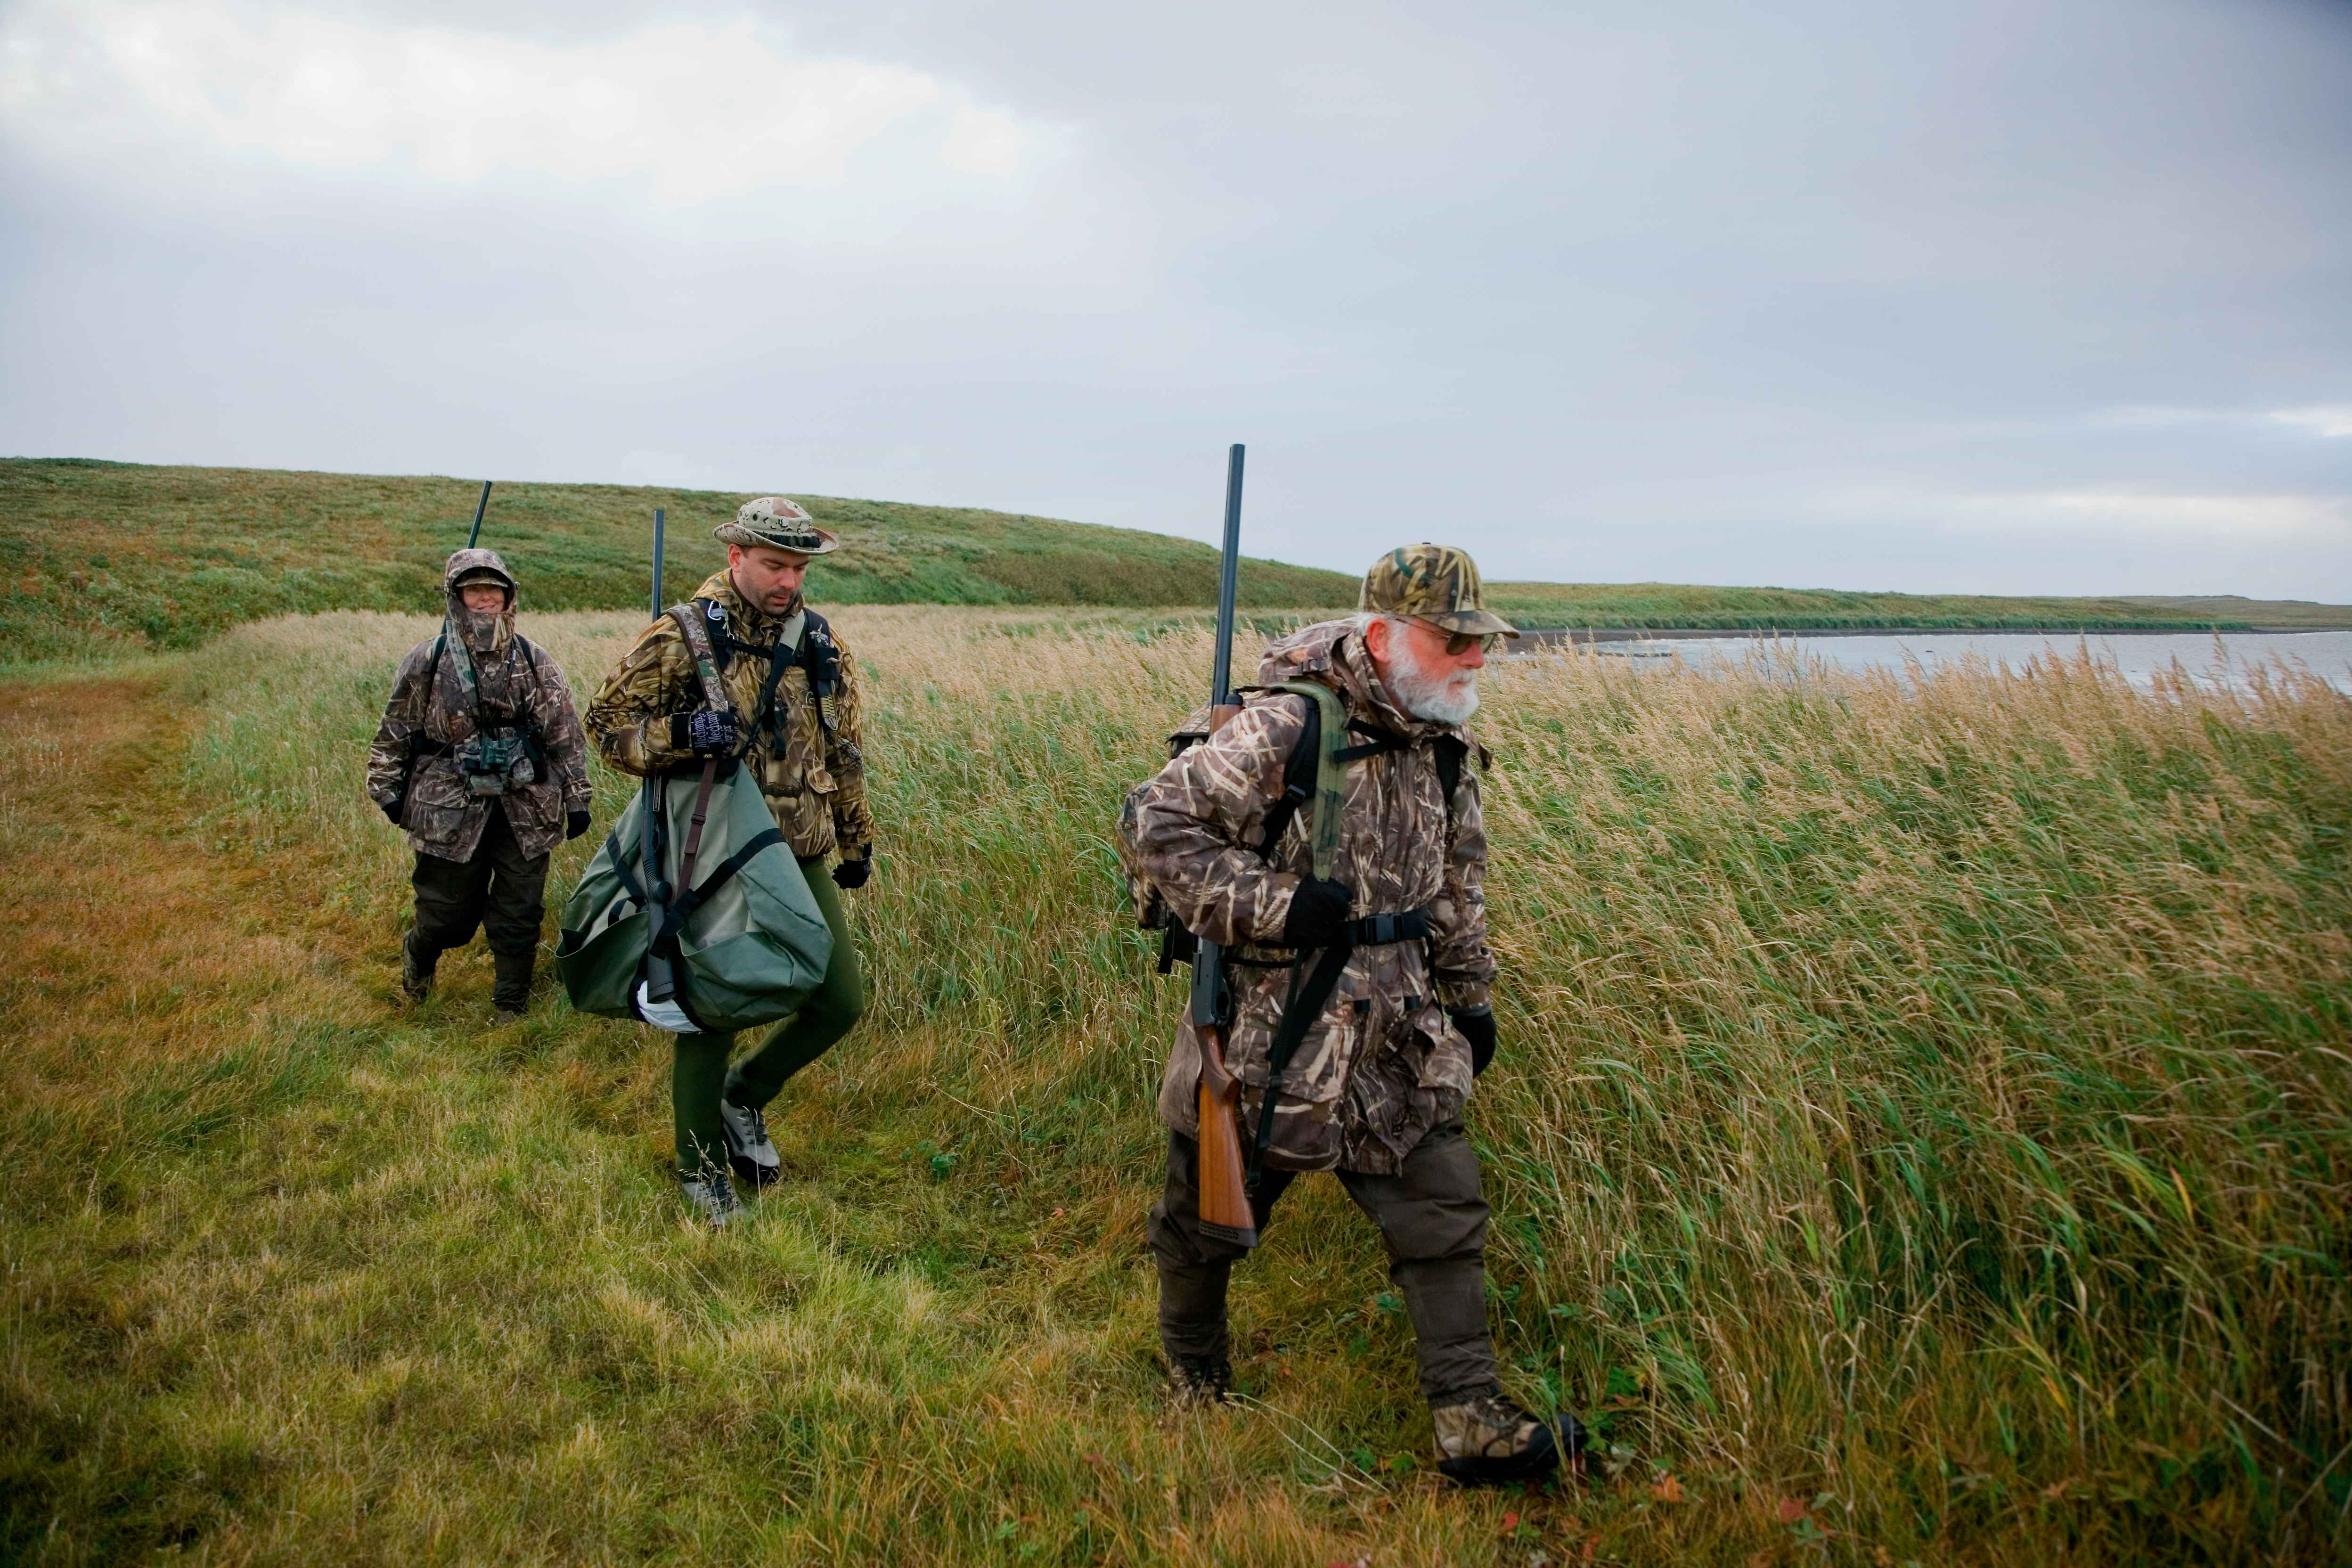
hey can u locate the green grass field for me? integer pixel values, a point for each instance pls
(98, 559)
(1922, 1134)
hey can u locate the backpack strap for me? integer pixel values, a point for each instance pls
(1451, 750)
(1314, 772)
(534, 737)
(688, 617)
(821, 657)
(419, 745)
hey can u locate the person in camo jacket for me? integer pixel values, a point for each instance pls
(795, 720)
(481, 857)
(1375, 1090)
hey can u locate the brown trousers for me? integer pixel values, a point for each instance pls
(1431, 1217)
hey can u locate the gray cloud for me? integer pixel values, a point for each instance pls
(2005, 298)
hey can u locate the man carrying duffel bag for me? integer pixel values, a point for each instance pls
(783, 728)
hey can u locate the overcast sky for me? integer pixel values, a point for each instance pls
(2050, 297)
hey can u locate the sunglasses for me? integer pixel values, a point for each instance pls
(1459, 643)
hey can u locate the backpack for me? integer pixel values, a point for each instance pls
(746, 941)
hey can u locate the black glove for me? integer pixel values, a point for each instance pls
(1318, 909)
(706, 731)
(575, 823)
(852, 873)
(1478, 1028)
(392, 810)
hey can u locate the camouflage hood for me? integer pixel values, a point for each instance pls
(485, 631)
(1329, 652)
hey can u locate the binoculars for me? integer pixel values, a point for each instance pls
(492, 763)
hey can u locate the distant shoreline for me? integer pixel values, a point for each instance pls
(1586, 635)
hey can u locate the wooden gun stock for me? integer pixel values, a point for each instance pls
(1225, 1210)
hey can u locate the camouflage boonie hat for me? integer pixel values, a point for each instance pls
(1433, 583)
(780, 523)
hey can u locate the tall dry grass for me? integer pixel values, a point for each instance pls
(1921, 1132)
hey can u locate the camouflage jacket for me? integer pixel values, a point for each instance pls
(814, 782)
(517, 684)
(1382, 1064)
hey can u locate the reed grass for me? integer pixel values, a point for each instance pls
(1920, 1135)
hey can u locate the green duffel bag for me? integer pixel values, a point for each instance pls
(746, 945)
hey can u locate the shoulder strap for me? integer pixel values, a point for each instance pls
(416, 738)
(821, 657)
(688, 617)
(1314, 772)
(1450, 751)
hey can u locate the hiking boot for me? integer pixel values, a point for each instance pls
(1200, 1380)
(749, 1152)
(416, 970)
(713, 1199)
(1486, 1439)
(501, 1016)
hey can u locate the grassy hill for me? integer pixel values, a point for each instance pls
(100, 558)
(103, 556)
(2257, 612)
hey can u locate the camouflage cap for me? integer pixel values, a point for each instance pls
(1433, 583)
(474, 565)
(779, 522)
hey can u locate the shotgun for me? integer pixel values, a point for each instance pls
(661, 984)
(1225, 1210)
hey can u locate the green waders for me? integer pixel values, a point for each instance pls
(699, 1078)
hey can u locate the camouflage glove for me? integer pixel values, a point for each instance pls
(852, 873)
(1477, 1026)
(1318, 909)
(575, 823)
(706, 731)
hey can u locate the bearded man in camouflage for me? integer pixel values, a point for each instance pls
(794, 721)
(1374, 1090)
(481, 818)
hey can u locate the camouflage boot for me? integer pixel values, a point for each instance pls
(415, 969)
(1486, 1439)
(1203, 1380)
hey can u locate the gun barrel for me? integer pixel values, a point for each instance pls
(661, 982)
(1221, 679)
(480, 506)
(657, 562)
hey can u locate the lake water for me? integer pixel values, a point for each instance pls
(2137, 655)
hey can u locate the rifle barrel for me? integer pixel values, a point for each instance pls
(661, 981)
(480, 506)
(657, 562)
(1221, 680)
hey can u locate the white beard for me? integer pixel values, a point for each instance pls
(1437, 699)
